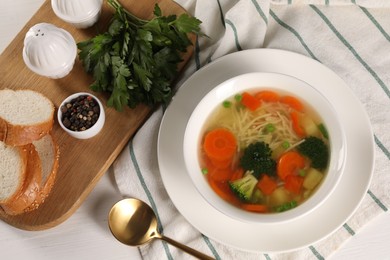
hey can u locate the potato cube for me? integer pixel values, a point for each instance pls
(312, 179)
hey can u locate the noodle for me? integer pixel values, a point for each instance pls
(250, 127)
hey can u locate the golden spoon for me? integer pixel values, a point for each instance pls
(134, 223)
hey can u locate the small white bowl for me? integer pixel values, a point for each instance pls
(79, 13)
(90, 132)
(49, 51)
(255, 81)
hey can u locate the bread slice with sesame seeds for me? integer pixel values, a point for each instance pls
(26, 193)
(13, 162)
(25, 116)
(28, 152)
(49, 153)
(25, 190)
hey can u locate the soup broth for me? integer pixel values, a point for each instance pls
(264, 151)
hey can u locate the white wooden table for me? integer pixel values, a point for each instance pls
(85, 235)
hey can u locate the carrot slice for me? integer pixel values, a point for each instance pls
(289, 164)
(220, 174)
(223, 164)
(267, 96)
(250, 101)
(220, 144)
(266, 184)
(294, 183)
(217, 173)
(223, 190)
(295, 124)
(260, 208)
(293, 102)
(219, 164)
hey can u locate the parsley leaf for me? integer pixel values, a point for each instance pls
(136, 60)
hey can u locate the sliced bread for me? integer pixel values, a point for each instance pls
(39, 176)
(28, 153)
(25, 116)
(13, 161)
(29, 191)
(49, 153)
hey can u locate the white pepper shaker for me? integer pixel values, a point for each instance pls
(49, 51)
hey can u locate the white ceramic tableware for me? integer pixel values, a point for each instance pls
(49, 50)
(90, 132)
(262, 237)
(79, 13)
(255, 82)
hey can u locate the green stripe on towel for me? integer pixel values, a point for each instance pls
(221, 14)
(149, 195)
(293, 31)
(375, 22)
(316, 253)
(260, 11)
(377, 201)
(212, 248)
(382, 147)
(235, 34)
(349, 229)
(352, 50)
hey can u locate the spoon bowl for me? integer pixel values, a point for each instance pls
(134, 223)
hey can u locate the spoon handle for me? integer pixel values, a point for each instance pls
(186, 249)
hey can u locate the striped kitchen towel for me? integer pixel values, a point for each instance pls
(351, 37)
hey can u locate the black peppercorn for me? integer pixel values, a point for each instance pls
(80, 113)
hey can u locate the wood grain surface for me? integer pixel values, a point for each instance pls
(82, 162)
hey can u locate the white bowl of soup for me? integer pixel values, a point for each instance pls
(264, 147)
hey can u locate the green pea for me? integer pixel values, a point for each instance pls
(226, 104)
(286, 145)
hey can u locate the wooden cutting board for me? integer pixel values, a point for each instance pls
(82, 162)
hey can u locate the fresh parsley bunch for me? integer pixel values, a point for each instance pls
(136, 60)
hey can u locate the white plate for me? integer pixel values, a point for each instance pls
(282, 237)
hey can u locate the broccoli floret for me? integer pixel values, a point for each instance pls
(244, 187)
(257, 158)
(316, 150)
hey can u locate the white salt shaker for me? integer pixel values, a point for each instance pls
(49, 51)
(79, 13)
